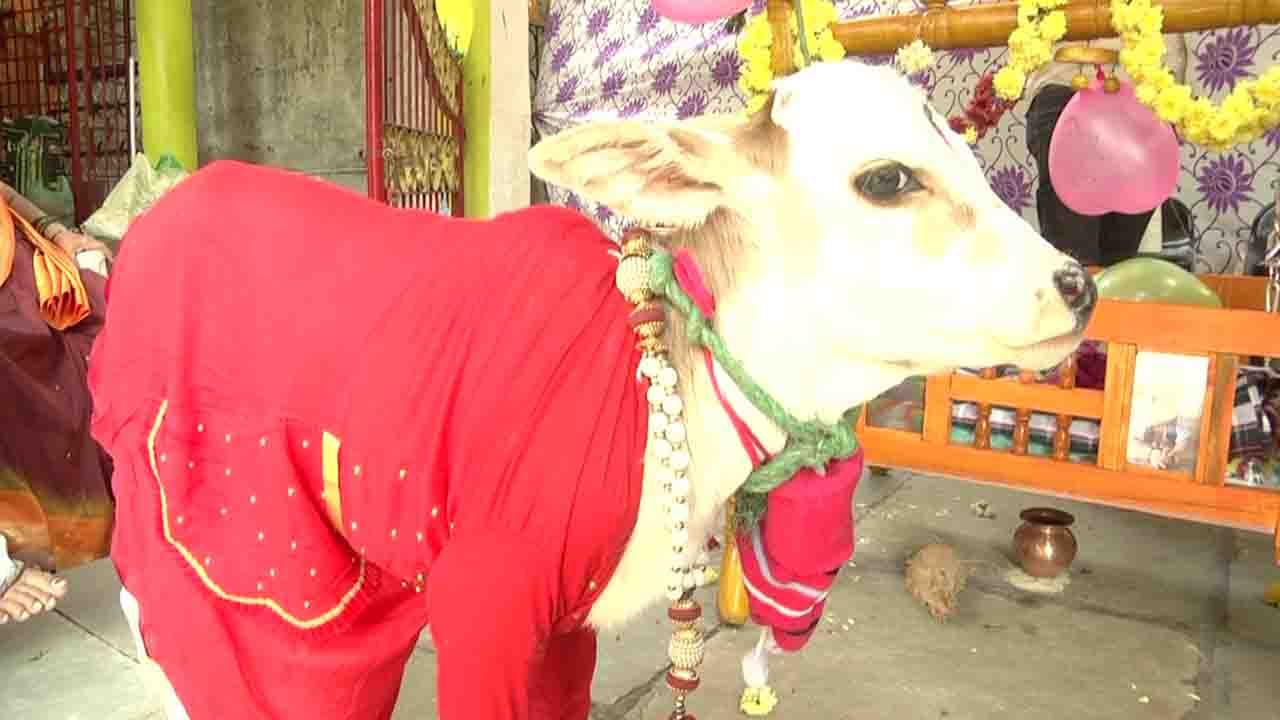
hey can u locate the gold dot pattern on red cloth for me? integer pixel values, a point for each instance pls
(246, 513)
(254, 492)
(397, 523)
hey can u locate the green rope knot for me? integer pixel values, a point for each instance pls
(810, 444)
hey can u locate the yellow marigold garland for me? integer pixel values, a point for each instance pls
(819, 40)
(1251, 109)
(755, 46)
(1041, 23)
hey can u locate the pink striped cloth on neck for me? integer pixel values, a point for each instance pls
(793, 557)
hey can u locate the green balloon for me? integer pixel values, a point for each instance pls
(1154, 280)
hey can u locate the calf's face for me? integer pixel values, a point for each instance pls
(935, 269)
(865, 233)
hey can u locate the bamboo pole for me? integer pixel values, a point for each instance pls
(779, 13)
(166, 77)
(983, 26)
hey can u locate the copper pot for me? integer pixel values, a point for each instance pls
(1044, 544)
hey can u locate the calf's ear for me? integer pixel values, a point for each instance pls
(674, 175)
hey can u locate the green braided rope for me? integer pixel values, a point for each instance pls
(810, 443)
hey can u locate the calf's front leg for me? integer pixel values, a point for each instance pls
(491, 605)
(562, 673)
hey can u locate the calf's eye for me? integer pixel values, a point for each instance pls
(884, 183)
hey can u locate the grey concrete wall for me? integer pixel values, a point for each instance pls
(281, 82)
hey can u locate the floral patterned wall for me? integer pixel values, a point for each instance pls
(617, 58)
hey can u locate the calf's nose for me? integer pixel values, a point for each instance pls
(1078, 291)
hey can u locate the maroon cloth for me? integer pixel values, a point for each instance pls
(481, 380)
(1091, 367)
(792, 558)
(55, 506)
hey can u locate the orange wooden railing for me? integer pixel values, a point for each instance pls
(1223, 335)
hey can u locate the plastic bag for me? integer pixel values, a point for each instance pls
(140, 187)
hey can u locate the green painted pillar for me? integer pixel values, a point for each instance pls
(477, 110)
(167, 79)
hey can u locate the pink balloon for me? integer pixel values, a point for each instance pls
(1110, 153)
(699, 11)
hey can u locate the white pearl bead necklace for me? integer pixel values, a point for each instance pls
(667, 436)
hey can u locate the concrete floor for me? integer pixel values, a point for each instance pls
(1161, 620)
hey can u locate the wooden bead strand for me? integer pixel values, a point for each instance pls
(667, 436)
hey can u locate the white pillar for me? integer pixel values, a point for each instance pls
(510, 121)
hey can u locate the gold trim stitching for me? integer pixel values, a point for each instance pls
(209, 582)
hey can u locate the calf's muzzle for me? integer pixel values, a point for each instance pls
(1078, 291)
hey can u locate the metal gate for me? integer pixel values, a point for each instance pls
(414, 108)
(64, 97)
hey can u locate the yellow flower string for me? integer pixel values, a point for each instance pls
(821, 42)
(1251, 109)
(758, 702)
(755, 47)
(1041, 23)
(915, 57)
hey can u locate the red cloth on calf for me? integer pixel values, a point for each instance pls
(480, 378)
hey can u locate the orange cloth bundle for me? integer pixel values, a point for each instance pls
(8, 244)
(64, 301)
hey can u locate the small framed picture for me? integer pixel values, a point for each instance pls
(1168, 406)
